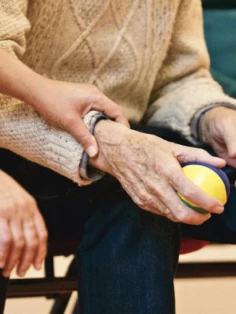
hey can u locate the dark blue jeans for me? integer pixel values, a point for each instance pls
(127, 257)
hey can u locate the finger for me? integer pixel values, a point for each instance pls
(15, 249)
(111, 109)
(81, 133)
(178, 210)
(115, 112)
(30, 248)
(147, 201)
(197, 155)
(42, 236)
(231, 161)
(157, 207)
(194, 194)
(181, 212)
(222, 150)
(5, 242)
(150, 203)
(151, 206)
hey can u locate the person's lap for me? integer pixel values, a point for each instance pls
(57, 196)
(125, 253)
(49, 187)
(126, 261)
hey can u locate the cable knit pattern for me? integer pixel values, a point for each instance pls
(148, 56)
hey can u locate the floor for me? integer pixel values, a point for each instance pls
(194, 296)
(207, 296)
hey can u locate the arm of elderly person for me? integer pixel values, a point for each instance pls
(145, 164)
(148, 168)
(184, 87)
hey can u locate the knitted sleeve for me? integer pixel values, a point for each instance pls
(22, 129)
(13, 26)
(184, 85)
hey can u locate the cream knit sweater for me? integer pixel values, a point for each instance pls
(148, 56)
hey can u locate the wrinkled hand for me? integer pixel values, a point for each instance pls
(148, 168)
(218, 129)
(65, 104)
(23, 236)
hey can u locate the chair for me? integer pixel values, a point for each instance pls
(60, 289)
(57, 288)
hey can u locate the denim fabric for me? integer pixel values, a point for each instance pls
(127, 260)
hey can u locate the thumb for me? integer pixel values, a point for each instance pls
(81, 133)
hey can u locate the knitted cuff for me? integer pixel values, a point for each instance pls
(86, 171)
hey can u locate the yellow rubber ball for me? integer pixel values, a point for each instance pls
(211, 180)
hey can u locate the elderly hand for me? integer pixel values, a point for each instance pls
(218, 129)
(148, 168)
(23, 237)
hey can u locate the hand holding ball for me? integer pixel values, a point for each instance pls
(211, 180)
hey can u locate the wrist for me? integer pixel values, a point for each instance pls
(40, 88)
(110, 132)
(110, 136)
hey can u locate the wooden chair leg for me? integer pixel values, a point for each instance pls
(76, 308)
(3, 291)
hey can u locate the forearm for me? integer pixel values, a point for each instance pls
(19, 81)
(184, 85)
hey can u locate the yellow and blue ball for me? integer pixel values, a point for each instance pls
(211, 180)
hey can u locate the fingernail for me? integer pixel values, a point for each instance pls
(92, 151)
